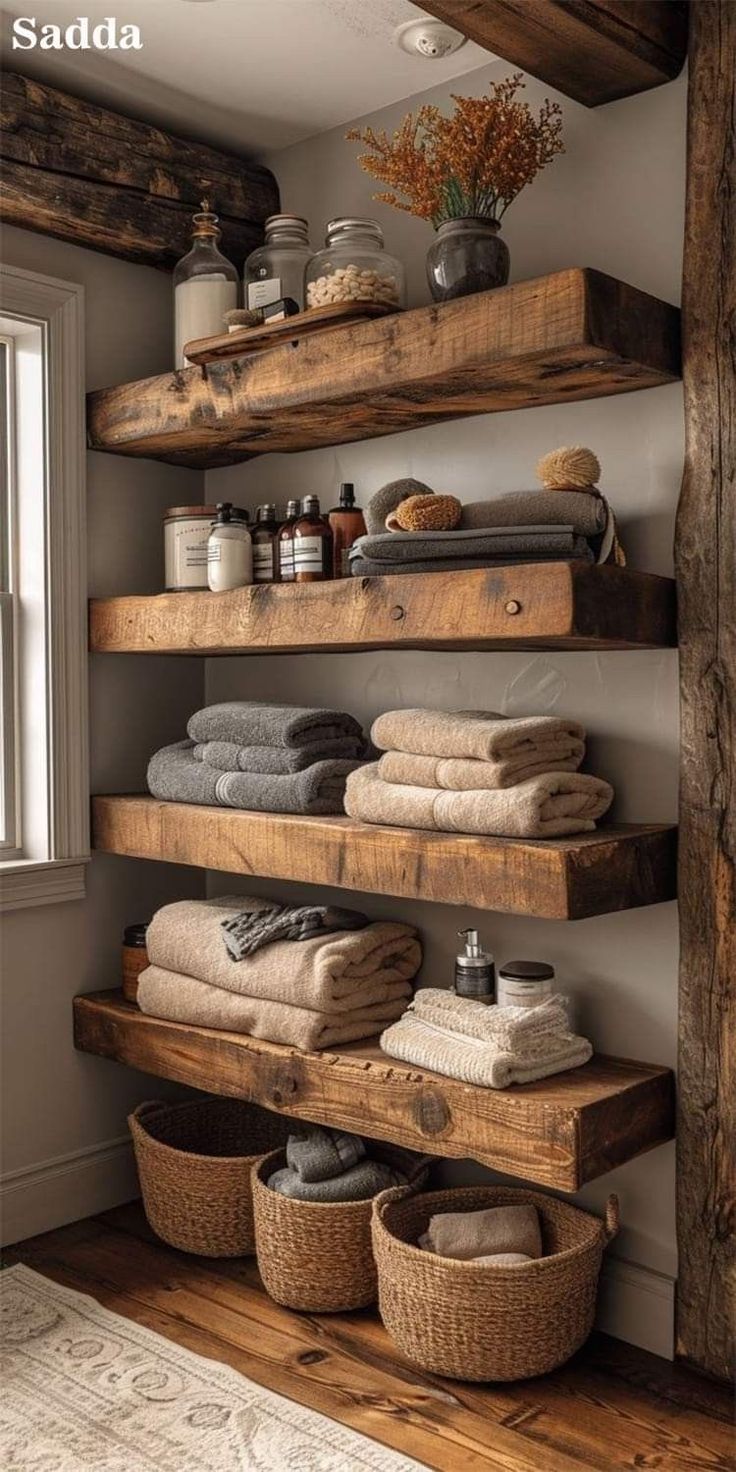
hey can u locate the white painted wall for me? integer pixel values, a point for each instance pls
(615, 202)
(63, 1114)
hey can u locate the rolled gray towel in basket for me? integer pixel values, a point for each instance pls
(360, 1183)
(320, 1154)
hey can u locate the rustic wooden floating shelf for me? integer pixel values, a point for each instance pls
(554, 605)
(575, 335)
(616, 868)
(559, 1132)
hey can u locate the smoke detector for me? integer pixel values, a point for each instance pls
(428, 38)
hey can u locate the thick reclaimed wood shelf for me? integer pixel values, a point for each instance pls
(617, 868)
(554, 605)
(575, 335)
(591, 50)
(559, 1132)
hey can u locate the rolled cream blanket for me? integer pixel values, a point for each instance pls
(464, 774)
(525, 1030)
(256, 723)
(332, 973)
(482, 734)
(423, 1045)
(498, 1229)
(180, 998)
(586, 513)
(276, 761)
(174, 776)
(553, 805)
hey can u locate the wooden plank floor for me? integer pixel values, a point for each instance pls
(611, 1408)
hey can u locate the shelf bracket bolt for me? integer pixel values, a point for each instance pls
(397, 612)
(513, 606)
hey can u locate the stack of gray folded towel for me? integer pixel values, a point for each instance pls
(330, 1165)
(261, 757)
(436, 551)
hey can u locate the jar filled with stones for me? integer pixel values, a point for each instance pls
(354, 267)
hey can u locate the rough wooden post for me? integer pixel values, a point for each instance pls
(706, 573)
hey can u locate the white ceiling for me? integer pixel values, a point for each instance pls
(252, 75)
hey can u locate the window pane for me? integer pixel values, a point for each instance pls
(5, 560)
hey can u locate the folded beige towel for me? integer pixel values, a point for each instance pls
(549, 806)
(466, 774)
(472, 1062)
(498, 1229)
(502, 1260)
(330, 973)
(483, 734)
(524, 1030)
(183, 999)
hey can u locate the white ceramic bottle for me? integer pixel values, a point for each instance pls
(205, 286)
(229, 550)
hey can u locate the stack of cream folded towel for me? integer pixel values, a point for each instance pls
(331, 1165)
(485, 1045)
(499, 1236)
(332, 988)
(478, 772)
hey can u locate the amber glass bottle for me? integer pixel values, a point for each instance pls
(347, 525)
(264, 538)
(285, 543)
(312, 544)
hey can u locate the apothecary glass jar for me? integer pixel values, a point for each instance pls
(276, 268)
(354, 267)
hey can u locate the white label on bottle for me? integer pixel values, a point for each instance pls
(308, 554)
(263, 562)
(286, 558)
(262, 293)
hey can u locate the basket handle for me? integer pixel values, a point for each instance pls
(613, 1220)
(384, 1199)
(147, 1107)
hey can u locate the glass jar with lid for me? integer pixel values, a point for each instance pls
(205, 286)
(276, 268)
(354, 267)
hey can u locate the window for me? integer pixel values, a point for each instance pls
(44, 840)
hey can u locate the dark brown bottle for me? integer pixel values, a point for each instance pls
(285, 543)
(347, 525)
(263, 536)
(312, 544)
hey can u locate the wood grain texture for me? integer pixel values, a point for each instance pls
(557, 605)
(96, 178)
(256, 339)
(705, 555)
(591, 50)
(559, 1132)
(611, 1406)
(617, 868)
(573, 335)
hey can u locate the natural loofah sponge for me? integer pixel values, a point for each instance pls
(569, 469)
(388, 498)
(426, 514)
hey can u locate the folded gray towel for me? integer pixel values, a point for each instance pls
(368, 567)
(250, 930)
(255, 723)
(277, 761)
(174, 776)
(321, 1154)
(584, 512)
(359, 1183)
(481, 545)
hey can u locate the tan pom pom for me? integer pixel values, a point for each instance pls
(428, 513)
(569, 469)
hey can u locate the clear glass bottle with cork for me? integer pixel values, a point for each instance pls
(312, 544)
(205, 286)
(264, 537)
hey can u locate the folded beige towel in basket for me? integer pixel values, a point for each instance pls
(551, 805)
(483, 735)
(477, 1234)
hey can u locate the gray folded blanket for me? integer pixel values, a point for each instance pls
(277, 761)
(585, 513)
(250, 930)
(255, 723)
(359, 1183)
(320, 1154)
(174, 776)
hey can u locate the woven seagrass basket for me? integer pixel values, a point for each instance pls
(194, 1162)
(488, 1323)
(316, 1256)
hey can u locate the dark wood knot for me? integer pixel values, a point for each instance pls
(431, 1112)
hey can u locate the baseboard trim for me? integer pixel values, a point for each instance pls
(637, 1305)
(38, 1198)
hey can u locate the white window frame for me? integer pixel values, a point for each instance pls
(50, 597)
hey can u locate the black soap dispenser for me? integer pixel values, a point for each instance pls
(475, 972)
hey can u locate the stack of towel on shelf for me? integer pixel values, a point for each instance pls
(478, 772)
(485, 1045)
(332, 981)
(264, 758)
(329, 1165)
(499, 1236)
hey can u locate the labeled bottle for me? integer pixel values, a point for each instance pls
(347, 524)
(229, 550)
(312, 543)
(205, 286)
(285, 543)
(265, 533)
(475, 973)
(276, 268)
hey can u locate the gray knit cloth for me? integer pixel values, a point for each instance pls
(276, 761)
(359, 1183)
(174, 776)
(321, 1154)
(255, 723)
(250, 930)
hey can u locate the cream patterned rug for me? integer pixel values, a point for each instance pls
(84, 1390)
